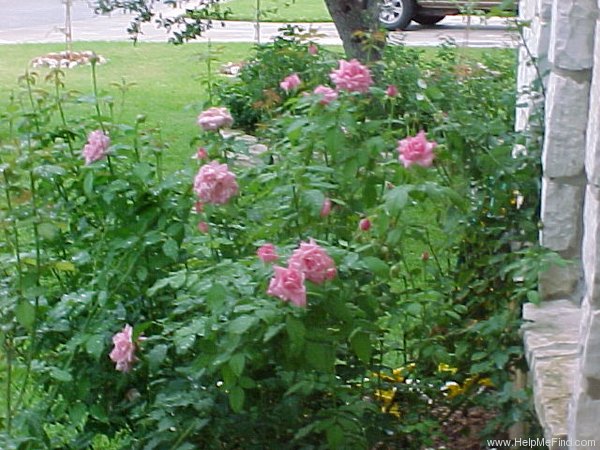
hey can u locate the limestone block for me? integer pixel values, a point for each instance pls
(527, 9)
(591, 241)
(583, 421)
(592, 157)
(560, 282)
(544, 10)
(521, 119)
(590, 359)
(552, 329)
(562, 207)
(551, 342)
(572, 37)
(542, 30)
(567, 102)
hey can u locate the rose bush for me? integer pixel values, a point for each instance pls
(397, 263)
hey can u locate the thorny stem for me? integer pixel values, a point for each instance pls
(94, 61)
(7, 347)
(297, 207)
(15, 232)
(61, 112)
(37, 282)
(531, 57)
(31, 101)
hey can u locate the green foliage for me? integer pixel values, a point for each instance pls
(437, 280)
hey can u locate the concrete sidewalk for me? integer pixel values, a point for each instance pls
(26, 21)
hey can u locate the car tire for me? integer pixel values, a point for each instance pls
(427, 20)
(396, 14)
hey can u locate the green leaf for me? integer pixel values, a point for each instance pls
(361, 344)
(236, 398)
(216, 295)
(25, 313)
(95, 345)
(335, 436)
(533, 297)
(48, 231)
(49, 171)
(60, 375)
(377, 266)
(500, 359)
(321, 356)
(273, 331)
(171, 249)
(241, 324)
(156, 356)
(313, 200)
(78, 413)
(88, 184)
(247, 383)
(64, 266)
(397, 198)
(296, 332)
(98, 413)
(237, 363)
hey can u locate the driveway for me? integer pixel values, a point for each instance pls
(42, 21)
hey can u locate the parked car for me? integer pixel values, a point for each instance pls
(397, 14)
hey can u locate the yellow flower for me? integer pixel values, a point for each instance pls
(487, 382)
(398, 374)
(384, 377)
(452, 389)
(385, 396)
(394, 410)
(443, 367)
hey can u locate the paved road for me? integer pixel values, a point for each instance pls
(29, 21)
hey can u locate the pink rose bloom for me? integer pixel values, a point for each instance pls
(364, 224)
(391, 91)
(352, 76)
(96, 147)
(313, 49)
(267, 253)
(290, 82)
(288, 285)
(313, 261)
(124, 349)
(326, 208)
(328, 95)
(203, 227)
(416, 150)
(214, 183)
(214, 119)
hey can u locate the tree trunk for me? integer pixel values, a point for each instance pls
(357, 23)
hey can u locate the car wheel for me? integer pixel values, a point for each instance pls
(396, 14)
(427, 20)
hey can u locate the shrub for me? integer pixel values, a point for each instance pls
(385, 297)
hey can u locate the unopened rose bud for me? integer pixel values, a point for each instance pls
(203, 227)
(364, 224)
(391, 91)
(201, 153)
(326, 208)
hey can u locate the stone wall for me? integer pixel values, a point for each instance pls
(563, 340)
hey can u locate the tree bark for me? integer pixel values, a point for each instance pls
(357, 23)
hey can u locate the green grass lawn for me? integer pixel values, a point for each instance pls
(280, 10)
(169, 82)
